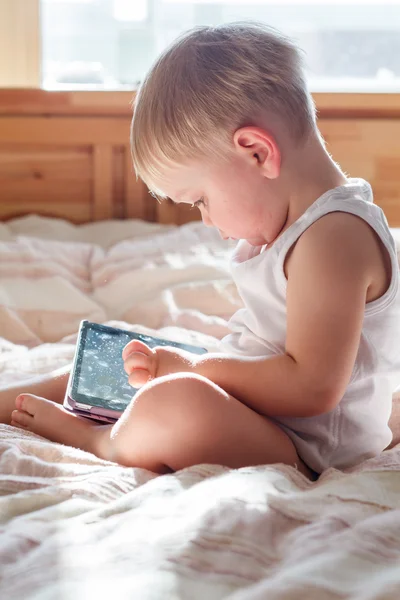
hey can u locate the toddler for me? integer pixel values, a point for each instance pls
(224, 122)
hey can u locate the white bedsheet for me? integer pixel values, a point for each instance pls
(75, 527)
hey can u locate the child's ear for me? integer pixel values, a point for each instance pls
(259, 147)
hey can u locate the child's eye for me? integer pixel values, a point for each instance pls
(198, 202)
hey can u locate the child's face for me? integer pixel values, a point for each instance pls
(235, 197)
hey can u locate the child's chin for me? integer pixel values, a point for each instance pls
(255, 242)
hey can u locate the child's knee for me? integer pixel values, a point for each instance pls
(173, 396)
(160, 416)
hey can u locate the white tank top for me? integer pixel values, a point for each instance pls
(358, 427)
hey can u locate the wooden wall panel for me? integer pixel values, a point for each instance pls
(77, 167)
(102, 182)
(50, 180)
(64, 131)
(369, 148)
(118, 182)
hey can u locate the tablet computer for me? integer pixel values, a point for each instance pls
(98, 385)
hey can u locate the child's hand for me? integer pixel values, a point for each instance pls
(142, 364)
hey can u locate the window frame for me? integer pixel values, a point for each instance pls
(20, 46)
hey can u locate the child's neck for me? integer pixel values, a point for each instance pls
(310, 173)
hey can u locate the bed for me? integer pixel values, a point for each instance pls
(74, 526)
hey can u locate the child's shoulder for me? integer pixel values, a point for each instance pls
(343, 244)
(339, 231)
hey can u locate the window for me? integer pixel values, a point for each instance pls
(109, 44)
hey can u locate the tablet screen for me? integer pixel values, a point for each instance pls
(99, 376)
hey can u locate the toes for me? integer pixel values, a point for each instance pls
(29, 403)
(21, 403)
(21, 419)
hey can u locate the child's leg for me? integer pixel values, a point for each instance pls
(173, 422)
(51, 385)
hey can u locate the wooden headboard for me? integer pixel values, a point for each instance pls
(66, 154)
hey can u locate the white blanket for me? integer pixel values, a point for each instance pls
(76, 527)
(159, 276)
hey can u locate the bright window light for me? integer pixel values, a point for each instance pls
(349, 45)
(126, 10)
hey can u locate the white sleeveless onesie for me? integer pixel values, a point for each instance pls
(357, 428)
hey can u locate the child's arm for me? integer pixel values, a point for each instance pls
(335, 264)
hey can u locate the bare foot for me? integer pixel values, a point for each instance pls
(50, 385)
(53, 422)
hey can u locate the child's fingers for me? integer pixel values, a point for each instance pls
(137, 360)
(138, 378)
(136, 346)
(139, 363)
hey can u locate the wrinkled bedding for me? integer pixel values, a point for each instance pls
(74, 526)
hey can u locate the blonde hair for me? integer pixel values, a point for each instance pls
(210, 82)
